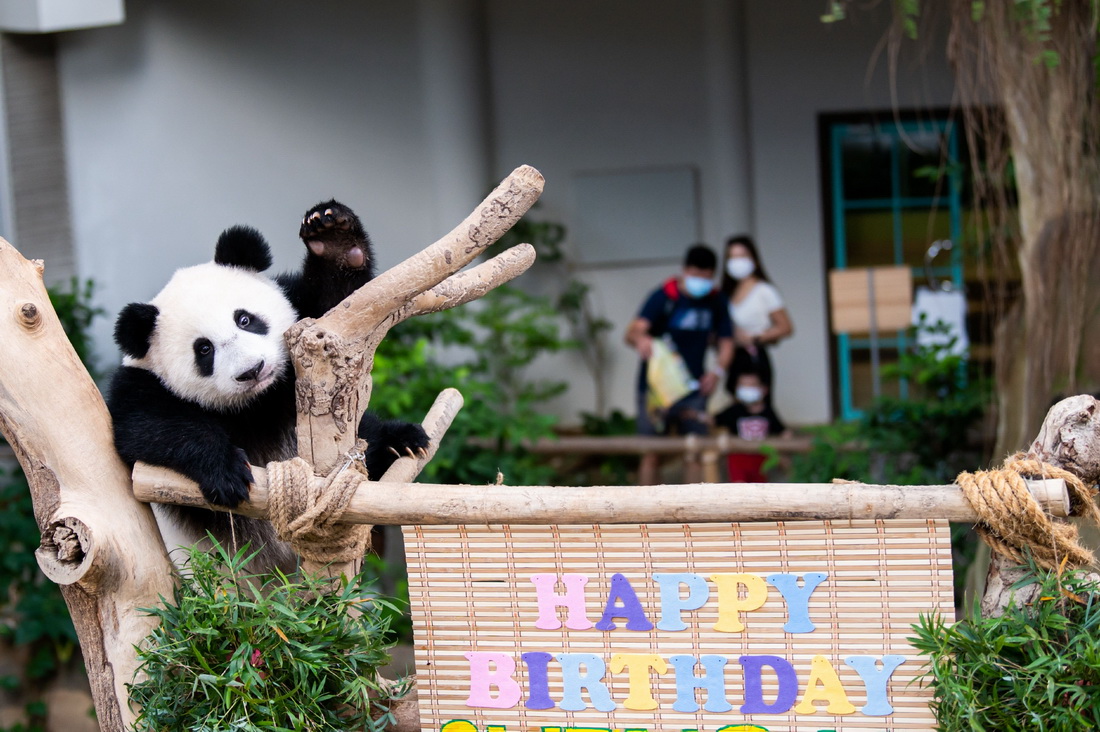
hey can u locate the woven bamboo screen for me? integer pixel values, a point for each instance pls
(472, 593)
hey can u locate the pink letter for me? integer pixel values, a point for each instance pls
(573, 600)
(482, 678)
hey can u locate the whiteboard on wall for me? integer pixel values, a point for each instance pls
(635, 216)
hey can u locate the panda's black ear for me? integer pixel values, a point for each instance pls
(243, 246)
(134, 328)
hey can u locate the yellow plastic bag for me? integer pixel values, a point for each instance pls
(667, 376)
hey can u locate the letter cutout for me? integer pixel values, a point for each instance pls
(538, 686)
(754, 685)
(458, 725)
(876, 682)
(730, 604)
(672, 605)
(824, 685)
(482, 678)
(640, 696)
(798, 598)
(631, 608)
(713, 681)
(592, 680)
(576, 616)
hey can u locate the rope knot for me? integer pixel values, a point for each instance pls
(1010, 518)
(305, 509)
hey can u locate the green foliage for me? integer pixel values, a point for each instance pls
(923, 438)
(1034, 669)
(248, 653)
(75, 311)
(482, 349)
(378, 573)
(33, 614)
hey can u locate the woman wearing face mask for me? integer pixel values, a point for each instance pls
(759, 316)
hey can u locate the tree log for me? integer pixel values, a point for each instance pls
(424, 503)
(98, 543)
(1069, 438)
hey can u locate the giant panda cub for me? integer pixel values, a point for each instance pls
(206, 386)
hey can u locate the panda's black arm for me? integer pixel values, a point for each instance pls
(154, 426)
(338, 261)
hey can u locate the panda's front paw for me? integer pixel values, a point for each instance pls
(333, 232)
(388, 440)
(228, 484)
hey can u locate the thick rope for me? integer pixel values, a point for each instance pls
(1010, 518)
(305, 510)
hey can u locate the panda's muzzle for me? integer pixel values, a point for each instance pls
(252, 374)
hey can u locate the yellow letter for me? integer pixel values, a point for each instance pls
(730, 603)
(640, 698)
(823, 673)
(458, 725)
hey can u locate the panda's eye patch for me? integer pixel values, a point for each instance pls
(204, 356)
(250, 323)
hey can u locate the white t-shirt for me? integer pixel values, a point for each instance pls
(753, 314)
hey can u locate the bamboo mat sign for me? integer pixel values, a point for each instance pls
(761, 627)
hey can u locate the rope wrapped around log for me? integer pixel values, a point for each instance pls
(1012, 520)
(305, 509)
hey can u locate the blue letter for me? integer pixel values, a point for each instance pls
(671, 602)
(687, 682)
(875, 681)
(798, 598)
(573, 682)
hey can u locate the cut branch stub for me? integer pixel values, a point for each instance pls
(333, 354)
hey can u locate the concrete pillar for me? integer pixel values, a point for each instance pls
(456, 105)
(727, 191)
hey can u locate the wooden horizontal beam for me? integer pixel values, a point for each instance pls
(722, 444)
(405, 504)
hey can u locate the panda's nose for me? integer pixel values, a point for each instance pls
(252, 373)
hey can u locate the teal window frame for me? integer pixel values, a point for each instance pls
(837, 131)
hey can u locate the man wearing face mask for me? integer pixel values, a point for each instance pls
(688, 314)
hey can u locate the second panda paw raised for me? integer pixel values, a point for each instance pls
(333, 232)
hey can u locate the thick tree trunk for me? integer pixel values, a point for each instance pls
(98, 543)
(1043, 136)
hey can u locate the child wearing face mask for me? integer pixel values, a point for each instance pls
(750, 417)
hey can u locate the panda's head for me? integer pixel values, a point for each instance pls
(214, 334)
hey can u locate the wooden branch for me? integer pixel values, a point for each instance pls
(661, 445)
(1069, 438)
(424, 503)
(98, 543)
(473, 283)
(333, 355)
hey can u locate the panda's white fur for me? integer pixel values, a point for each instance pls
(201, 302)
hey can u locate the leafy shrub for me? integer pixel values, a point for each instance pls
(481, 349)
(1033, 669)
(923, 438)
(248, 653)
